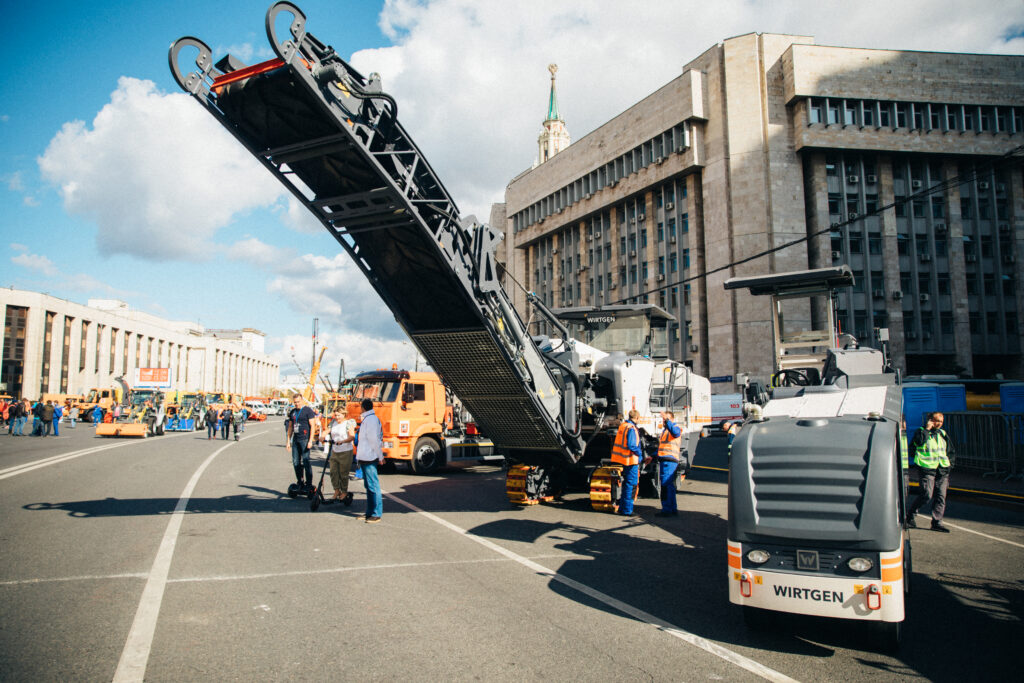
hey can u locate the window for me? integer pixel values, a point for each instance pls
(966, 208)
(816, 110)
(673, 265)
(661, 265)
(833, 204)
(901, 115)
(685, 223)
(82, 347)
(661, 232)
(938, 207)
(902, 245)
(918, 207)
(940, 247)
(686, 258)
(885, 114)
(943, 283)
(972, 283)
(875, 244)
(856, 245)
(830, 167)
(833, 112)
(868, 113)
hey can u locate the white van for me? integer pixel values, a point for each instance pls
(258, 407)
(279, 406)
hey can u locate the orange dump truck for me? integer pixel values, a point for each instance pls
(424, 425)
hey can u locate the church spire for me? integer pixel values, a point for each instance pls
(555, 137)
(553, 99)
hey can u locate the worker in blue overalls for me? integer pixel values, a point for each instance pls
(627, 453)
(668, 463)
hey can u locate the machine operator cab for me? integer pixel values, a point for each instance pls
(816, 500)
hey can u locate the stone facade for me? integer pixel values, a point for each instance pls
(794, 155)
(55, 346)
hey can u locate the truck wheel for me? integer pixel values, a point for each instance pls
(160, 429)
(426, 456)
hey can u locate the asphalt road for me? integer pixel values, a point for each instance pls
(102, 579)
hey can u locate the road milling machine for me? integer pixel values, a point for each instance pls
(333, 138)
(817, 509)
(143, 416)
(185, 410)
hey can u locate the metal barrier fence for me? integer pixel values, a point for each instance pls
(990, 443)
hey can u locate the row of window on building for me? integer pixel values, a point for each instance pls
(926, 116)
(651, 152)
(12, 370)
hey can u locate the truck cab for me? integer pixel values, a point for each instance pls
(424, 426)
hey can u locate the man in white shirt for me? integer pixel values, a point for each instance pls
(369, 454)
(339, 448)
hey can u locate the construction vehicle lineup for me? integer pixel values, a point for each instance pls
(816, 502)
(335, 142)
(817, 509)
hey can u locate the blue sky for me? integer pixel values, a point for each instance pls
(113, 184)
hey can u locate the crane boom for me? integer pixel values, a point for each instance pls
(332, 137)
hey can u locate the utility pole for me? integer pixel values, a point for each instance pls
(312, 359)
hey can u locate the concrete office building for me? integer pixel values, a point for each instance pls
(768, 139)
(55, 346)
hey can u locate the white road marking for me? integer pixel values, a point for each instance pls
(135, 656)
(303, 572)
(63, 457)
(978, 533)
(638, 614)
(103, 577)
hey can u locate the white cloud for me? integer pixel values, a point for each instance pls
(13, 181)
(155, 173)
(247, 52)
(297, 217)
(36, 262)
(471, 77)
(360, 352)
(331, 288)
(57, 280)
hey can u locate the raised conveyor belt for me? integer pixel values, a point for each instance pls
(333, 139)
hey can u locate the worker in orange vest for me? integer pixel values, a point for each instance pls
(626, 452)
(668, 462)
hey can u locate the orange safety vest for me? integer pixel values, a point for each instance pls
(668, 445)
(620, 449)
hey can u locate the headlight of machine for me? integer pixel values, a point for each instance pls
(758, 556)
(859, 564)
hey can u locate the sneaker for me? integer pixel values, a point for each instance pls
(911, 522)
(347, 500)
(939, 526)
(372, 520)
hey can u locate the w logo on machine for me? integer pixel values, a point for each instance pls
(807, 560)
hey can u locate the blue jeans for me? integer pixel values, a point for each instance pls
(374, 500)
(667, 470)
(630, 477)
(19, 425)
(300, 455)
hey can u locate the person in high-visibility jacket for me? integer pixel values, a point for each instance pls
(626, 451)
(669, 445)
(933, 455)
(905, 455)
